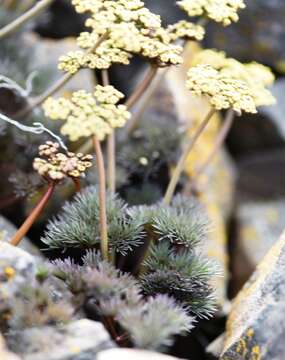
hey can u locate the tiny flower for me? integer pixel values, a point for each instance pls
(56, 166)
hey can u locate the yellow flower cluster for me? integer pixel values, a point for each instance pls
(223, 91)
(56, 166)
(88, 114)
(130, 28)
(187, 30)
(256, 76)
(221, 11)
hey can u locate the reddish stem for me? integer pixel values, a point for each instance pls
(77, 184)
(22, 231)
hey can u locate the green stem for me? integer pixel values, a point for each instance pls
(22, 231)
(102, 198)
(111, 147)
(181, 164)
(34, 11)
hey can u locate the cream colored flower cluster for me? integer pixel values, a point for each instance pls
(56, 166)
(221, 11)
(184, 29)
(129, 27)
(223, 91)
(89, 114)
(257, 77)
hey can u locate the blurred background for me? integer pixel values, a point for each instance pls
(251, 216)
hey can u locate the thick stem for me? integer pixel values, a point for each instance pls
(22, 231)
(218, 142)
(138, 92)
(149, 91)
(77, 185)
(111, 156)
(102, 198)
(111, 147)
(181, 164)
(34, 11)
(56, 86)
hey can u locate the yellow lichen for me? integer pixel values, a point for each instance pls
(9, 272)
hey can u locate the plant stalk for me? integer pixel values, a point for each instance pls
(218, 142)
(111, 148)
(34, 11)
(149, 91)
(102, 198)
(22, 231)
(181, 163)
(138, 92)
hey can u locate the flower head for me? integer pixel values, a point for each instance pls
(185, 29)
(56, 166)
(257, 77)
(223, 91)
(129, 28)
(88, 114)
(221, 11)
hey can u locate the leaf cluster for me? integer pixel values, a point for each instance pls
(116, 298)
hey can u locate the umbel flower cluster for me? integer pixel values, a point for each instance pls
(126, 27)
(88, 114)
(56, 166)
(257, 76)
(221, 11)
(230, 84)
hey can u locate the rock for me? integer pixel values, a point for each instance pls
(7, 230)
(261, 176)
(131, 354)
(79, 340)
(276, 113)
(45, 61)
(259, 224)
(257, 36)
(17, 267)
(4, 353)
(255, 328)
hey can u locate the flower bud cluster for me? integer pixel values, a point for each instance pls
(56, 166)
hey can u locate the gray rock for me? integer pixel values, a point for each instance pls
(79, 340)
(7, 230)
(259, 35)
(4, 353)
(256, 328)
(276, 113)
(259, 225)
(17, 267)
(131, 354)
(46, 54)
